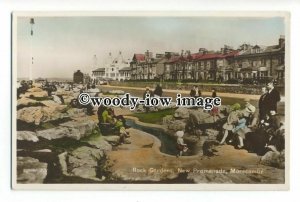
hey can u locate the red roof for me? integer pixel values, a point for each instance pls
(139, 57)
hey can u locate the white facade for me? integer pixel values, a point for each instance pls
(113, 67)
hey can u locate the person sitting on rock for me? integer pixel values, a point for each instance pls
(123, 133)
(229, 125)
(275, 130)
(147, 92)
(181, 146)
(241, 129)
(118, 117)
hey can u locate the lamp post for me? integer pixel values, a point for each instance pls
(31, 40)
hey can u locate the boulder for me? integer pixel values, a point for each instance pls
(274, 159)
(182, 113)
(27, 136)
(200, 117)
(54, 105)
(39, 114)
(212, 134)
(100, 143)
(168, 119)
(72, 129)
(82, 162)
(25, 101)
(57, 99)
(59, 132)
(112, 139)
(177, 125)
(38, 94)
(30, 170)
(76, 113)
(35, 89)
(85, 127)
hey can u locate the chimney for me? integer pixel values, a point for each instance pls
(281, 41)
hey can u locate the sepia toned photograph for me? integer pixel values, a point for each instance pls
(150, 101)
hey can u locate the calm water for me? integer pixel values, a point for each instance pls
(168, 144)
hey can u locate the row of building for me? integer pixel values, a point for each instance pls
(247, 61)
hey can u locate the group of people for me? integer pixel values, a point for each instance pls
(257, 130)
(110, 123)
(158, 91)
(246, 127)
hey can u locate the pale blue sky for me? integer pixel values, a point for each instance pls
(62, 45)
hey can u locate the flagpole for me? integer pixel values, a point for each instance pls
(31, 54)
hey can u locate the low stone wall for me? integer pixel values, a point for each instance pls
(223, 88)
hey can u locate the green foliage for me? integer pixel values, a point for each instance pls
(154, 117)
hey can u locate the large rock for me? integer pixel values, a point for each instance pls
(274, 159)
(59, 132)
(39, 114)
(72, 129)
(177, 125)
(76, 113)
(38, 94)
(101, 143)
(35, 89)
(168, 119)
(30, 170)
(200, 117)
(27, 136)
(85, 127)
(112, 139)
(25, 101)
(182, 113)
(212, 134)
(82, 162)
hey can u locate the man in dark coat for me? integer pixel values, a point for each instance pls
(272, 98)
(262, 104)
(158, 91)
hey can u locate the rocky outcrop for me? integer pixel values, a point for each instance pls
(100, 143)
(58, 132)
(30, 170)
(76, 113)
(25, 101)
(72, 129)
(39, 114)
(274, 159)
(112, 139)
(182, 113)
(27, 136)
(168, 119)
(82, 162)
(176, 125)
(200, 117)
(85, 127)
(211, 134)
(38, 94)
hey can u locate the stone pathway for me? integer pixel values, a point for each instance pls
(142, 161)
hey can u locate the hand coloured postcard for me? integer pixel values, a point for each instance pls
(150, 101)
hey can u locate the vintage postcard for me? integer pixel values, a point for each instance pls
(150, 100)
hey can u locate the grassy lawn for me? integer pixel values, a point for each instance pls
(154, 117)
